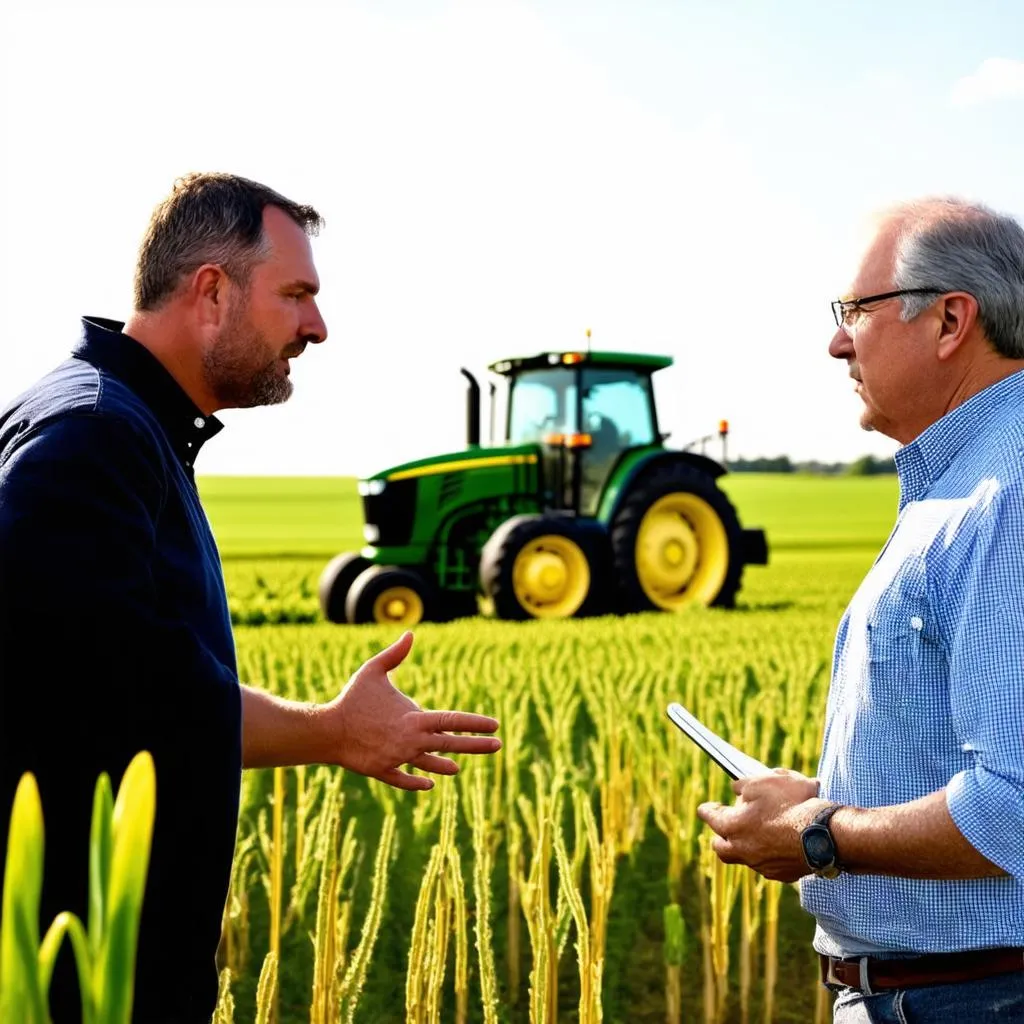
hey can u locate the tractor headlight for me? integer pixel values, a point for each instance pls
(371, 533)
(373, 487)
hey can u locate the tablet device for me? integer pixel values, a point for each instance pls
(734, 762)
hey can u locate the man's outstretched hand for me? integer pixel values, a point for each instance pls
(374, 729)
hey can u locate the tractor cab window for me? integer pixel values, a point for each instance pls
(617, 414)
(541, 402)
(617, 408)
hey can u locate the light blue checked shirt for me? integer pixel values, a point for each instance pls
(928, 687)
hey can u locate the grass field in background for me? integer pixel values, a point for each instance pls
(265, 517)
(277, 534)
(581, 702)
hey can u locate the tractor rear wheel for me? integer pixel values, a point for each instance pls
(540, 567)
(676, 541)
(338, 576)
(389, 595)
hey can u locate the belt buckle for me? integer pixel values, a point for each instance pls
(864, 986)
(830, 974)
(862, 965)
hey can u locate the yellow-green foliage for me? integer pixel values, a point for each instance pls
(117, 867)
(573, 855)
(592, 777)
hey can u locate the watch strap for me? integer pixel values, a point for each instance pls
(825, 814)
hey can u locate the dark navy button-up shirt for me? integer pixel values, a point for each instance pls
(115, 637)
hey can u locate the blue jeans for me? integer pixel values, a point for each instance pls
(995, 1000)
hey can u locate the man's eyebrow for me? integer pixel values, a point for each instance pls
(302, 286)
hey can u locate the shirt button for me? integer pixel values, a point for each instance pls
(199, 422)
(916, 622)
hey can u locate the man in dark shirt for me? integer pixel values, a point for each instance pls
(114, 630)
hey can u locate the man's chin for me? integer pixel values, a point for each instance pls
(276, 394)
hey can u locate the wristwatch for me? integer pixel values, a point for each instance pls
(819, 846)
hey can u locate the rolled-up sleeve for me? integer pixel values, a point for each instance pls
(986, 801)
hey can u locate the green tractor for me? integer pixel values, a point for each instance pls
(575, 508)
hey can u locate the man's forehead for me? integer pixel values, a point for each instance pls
(875, 259)
(290, 247)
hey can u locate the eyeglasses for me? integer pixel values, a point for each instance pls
(842, 309)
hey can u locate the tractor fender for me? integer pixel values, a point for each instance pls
(635, 464)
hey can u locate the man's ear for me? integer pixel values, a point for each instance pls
(208, 292)
(959, 315)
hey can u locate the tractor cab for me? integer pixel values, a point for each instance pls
(573, 507)
(585, 410)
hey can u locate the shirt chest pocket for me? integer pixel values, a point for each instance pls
(901, 647)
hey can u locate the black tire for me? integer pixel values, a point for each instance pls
(367, 594)
(702, 585)
(338, 576)
(503, 548)
(457, 604)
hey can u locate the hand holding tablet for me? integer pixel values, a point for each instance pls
(735, 763)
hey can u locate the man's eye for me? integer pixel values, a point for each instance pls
(851, 314)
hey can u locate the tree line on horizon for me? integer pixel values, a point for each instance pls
(865, 465)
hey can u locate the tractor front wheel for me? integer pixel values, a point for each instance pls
(540, 567)
(338, 576)
(676, 541)
(390, 596)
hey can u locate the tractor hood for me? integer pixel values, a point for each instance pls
(451, 462)
(408, 507)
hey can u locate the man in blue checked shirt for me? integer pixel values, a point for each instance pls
(910, 844)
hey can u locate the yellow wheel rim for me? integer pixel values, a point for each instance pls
(682, 552)
(551, 577)
(398, 606)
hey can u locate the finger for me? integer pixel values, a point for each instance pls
(458, 721)
(393, 656)
(738, 785)
(709, 811)
(438, 765)
(465, 744)
(403, 780)
(724, 851)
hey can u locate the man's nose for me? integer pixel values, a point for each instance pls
(841, 344)
(314, 330)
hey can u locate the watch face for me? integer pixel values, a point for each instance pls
(818, 847)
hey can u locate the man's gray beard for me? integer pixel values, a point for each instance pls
(230, 376)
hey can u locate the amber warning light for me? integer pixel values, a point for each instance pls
(569, 440)
(723, 427)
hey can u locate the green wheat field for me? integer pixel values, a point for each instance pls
(567, 878)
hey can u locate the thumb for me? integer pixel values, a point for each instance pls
(393, 656)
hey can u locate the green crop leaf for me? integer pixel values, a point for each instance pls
(132, 832)
(50, 948)
(85, 964)
(21, 996)
(100, 852)
(675, 935)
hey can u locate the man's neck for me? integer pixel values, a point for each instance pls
(987, 369)
(164, 338)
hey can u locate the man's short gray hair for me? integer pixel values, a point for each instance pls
(954, 245)
(209, 218)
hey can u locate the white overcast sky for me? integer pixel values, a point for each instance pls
(680, 177)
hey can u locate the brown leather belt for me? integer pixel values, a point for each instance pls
(869, 974)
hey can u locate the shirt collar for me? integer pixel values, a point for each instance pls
(921, 462)
(104, 345)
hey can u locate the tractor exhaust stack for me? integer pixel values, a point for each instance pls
(472, 410)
